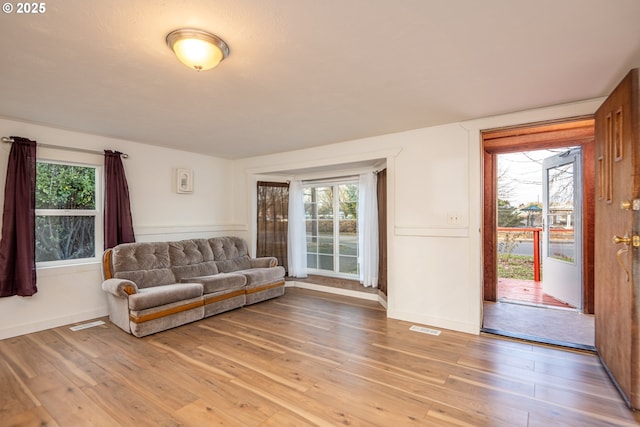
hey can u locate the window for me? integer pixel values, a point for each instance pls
(331, 211)
(68, 225)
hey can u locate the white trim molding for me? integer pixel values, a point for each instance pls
(332, 290)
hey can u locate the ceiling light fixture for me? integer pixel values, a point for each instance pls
(197, 49)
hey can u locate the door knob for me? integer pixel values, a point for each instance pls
(617, 239)
(629, 205)
(634, 241)
(625, 249)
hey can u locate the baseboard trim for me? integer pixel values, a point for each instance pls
(43, 325)
(332, 290)
(435, 322)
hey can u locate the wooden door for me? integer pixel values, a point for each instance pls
(617, 223)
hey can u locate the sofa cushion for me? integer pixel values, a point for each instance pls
(189, 252)
(230, 253)
(140, 256)
(225, 248)
(261, 276)
(207, 268)
(161, 295)
(146, 264)
(148, 278)
(219, 282)
(234, 264)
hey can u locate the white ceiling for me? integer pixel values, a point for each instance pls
(305, 73)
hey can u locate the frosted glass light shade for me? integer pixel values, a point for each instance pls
(197, 49)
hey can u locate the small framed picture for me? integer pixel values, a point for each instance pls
(184, 181)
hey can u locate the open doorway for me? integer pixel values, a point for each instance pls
(539, 235)
(538, 216)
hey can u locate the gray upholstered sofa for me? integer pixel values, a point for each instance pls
(156, 286)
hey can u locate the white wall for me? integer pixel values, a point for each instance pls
(435, 267)
(72, 294)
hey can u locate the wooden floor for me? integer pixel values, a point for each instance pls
(303, 359)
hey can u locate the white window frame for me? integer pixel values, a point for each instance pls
(336, 229)
(96, 213)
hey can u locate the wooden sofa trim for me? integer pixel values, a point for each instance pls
(129, 290)
(265, 287)
(179, 309)
(224, 296)
(164, 313)
(106, 264)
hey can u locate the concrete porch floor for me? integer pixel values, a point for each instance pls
(524, 311)
(544, 324)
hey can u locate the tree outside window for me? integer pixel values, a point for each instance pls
(66, 211)
(332, 228)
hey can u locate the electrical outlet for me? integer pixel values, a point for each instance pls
(454, 218)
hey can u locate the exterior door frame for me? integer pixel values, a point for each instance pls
(578, 131)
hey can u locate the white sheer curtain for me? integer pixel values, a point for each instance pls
(368, 229)
(297, 240)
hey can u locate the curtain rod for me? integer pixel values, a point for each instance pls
(61, 147)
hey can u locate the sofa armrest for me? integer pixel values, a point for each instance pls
(120, 287)
(264, 262)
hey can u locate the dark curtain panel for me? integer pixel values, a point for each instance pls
(382, 231)
(273, 214)
(18, 245)
(118, 225)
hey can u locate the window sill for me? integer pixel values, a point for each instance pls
(332, 274)
(79, 267)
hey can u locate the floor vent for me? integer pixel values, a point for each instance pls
(86, 325)
(425, 330)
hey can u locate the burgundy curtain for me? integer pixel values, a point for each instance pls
(18, 245)
(273, 214)
(118, 224)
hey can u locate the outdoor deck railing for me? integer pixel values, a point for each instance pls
(536, 245)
